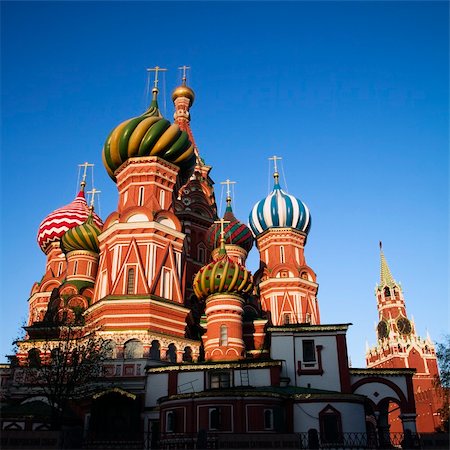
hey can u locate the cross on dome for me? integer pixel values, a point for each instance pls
(275, 168)
(228, 182)
(156, 69)
(92, 193)
(183, 77)
(83, 178)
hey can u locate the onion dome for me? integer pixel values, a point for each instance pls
(279, 209)
(147, 135)
(235, 232)
(81, 237)
(58, 222)
(183, 91)
(222, 276)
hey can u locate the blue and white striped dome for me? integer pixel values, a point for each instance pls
(279, 209)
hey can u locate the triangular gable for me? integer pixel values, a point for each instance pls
(133, 258)
(168, 260)
(287, 304)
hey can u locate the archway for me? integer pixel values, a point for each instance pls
(115, 416)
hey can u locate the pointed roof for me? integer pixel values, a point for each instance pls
(386, 278)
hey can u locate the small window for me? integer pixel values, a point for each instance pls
(166, 283)
(155, 352)
(60, 266)
(281, 254)
(268, 419)
(34, 358)
(308, 318)
(309, 351)
(75, 267)
(223, 336)
(172, 353)
(387, 292)
(130, 281)
(214, 418)
(89, 268)
(219, 380)
(201, 256)
(141, 196)
(170, 421)
(287, 319)
(162, 197)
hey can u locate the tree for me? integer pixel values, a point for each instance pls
(443, 357)
(62, 366)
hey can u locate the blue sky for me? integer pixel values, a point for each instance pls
(353, 95)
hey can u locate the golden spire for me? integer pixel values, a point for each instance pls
(386, 278)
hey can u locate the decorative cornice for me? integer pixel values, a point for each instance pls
(308, 328)
(213, 365)
(382, 372)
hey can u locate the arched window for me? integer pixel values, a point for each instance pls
(268, 419)
(281, 254)
(133, 349)
(162, 197)
(330, 425)
(109, 349)
(187, 354)
(172, 353)
(141, 196)
(387, 292)
(223, 336)
(155, 351)
(130, 281)
(214, 418)
(166, 283)
(34, 357)
(170, 421)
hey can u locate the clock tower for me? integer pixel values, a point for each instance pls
(399, 346)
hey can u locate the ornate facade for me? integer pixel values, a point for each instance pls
(194, 343)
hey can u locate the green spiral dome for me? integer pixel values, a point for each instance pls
(82, 237)
(222, 276)
(147, 135)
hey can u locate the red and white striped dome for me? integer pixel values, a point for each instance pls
(58, 222)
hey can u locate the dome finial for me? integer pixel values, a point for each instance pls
(83, 177)
(155, 90)
(92, 193)
(276, 175)
(228, 182)
(222, 251)
(183, 76)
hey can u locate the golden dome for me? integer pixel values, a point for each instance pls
(183, 91)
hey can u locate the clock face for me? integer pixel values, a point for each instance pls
(382, 329)
(403, 325)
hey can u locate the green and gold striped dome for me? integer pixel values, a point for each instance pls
(222, 276)
(148, 135)
(82, 237)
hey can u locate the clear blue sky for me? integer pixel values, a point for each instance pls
(353, 95)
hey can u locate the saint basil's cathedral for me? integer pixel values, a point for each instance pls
(195, 344)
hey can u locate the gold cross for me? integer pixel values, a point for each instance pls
(183, 78)
(274, 159)
(85, 165)
(222, 223)
(93, 192)
(228, 182)
(156, 69)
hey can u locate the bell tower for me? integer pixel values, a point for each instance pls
(399, 346)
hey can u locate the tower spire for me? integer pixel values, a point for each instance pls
(386, 278)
